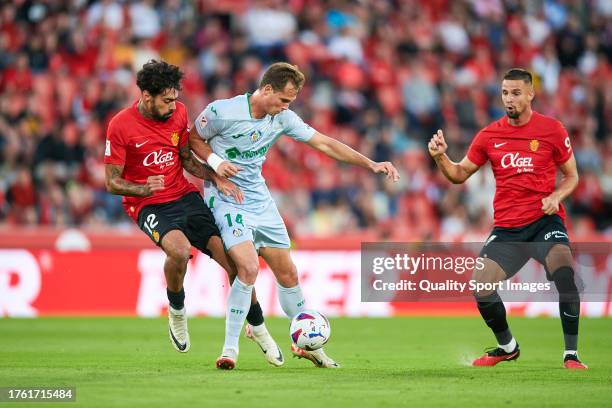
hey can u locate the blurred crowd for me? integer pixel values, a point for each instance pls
(382, 76)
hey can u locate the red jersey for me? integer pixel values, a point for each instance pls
(147, 147)
(524, 161)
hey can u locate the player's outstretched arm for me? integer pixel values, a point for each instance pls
(198, 169)
(194, 166)
(203, 150)
(550, 204)
(456, 173)
(115, 184)
(341, 152)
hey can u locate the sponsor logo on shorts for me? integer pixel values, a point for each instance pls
(555, 234)
(237, 232)
(490, 239)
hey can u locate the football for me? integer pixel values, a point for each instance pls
(310, 330)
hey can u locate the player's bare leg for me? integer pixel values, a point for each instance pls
(291, 298)
(178, 251)
(493, 312)
(255, 329)
(559, 263)
(245, 258)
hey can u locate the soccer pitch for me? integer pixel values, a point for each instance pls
(390, 362)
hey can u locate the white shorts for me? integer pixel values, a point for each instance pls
(263, 226)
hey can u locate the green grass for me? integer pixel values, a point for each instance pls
(412, 362)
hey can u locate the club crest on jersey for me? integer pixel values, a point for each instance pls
(255, 136)
(533, 145)
(174, 138)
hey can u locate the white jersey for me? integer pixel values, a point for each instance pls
(237, 137)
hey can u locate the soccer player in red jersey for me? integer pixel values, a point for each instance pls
(147, 148)
(525, 149)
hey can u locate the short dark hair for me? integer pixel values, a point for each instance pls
(519, 74)
(280, 73)
(157, 76)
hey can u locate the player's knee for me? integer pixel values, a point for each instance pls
(247, 273)
(179, 253)
(559, 256)
(288, 277)
(487, 279)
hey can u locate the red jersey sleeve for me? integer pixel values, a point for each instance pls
(562, 149)
(115, 145)
(477, 153)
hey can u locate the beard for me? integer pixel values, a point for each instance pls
(158, 116)
(513, 114)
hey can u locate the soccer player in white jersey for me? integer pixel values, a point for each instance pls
(233, 136)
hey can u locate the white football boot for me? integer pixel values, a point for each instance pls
(267, 344)
(177, 329)
(318, 357)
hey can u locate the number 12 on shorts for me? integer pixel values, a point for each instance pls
(237, 220)
(150, 223)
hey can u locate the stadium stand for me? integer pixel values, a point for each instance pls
(382, 77)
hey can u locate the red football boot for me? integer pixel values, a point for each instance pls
(496, 355)
(571, 362)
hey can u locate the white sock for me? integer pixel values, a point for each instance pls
(569, 352)
(508, 347)
(238, 304)
(259, 330)
(291, 300)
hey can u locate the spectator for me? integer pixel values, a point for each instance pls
(382, 76)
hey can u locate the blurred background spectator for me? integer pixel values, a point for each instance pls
(382, 75)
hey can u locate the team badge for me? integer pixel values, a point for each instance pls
(533, 145)
(237, 232)
(174, 138)
(255, 136)
(155, 236)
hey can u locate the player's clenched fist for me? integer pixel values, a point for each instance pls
(154, 184)
(550, 204)
(437, 145)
